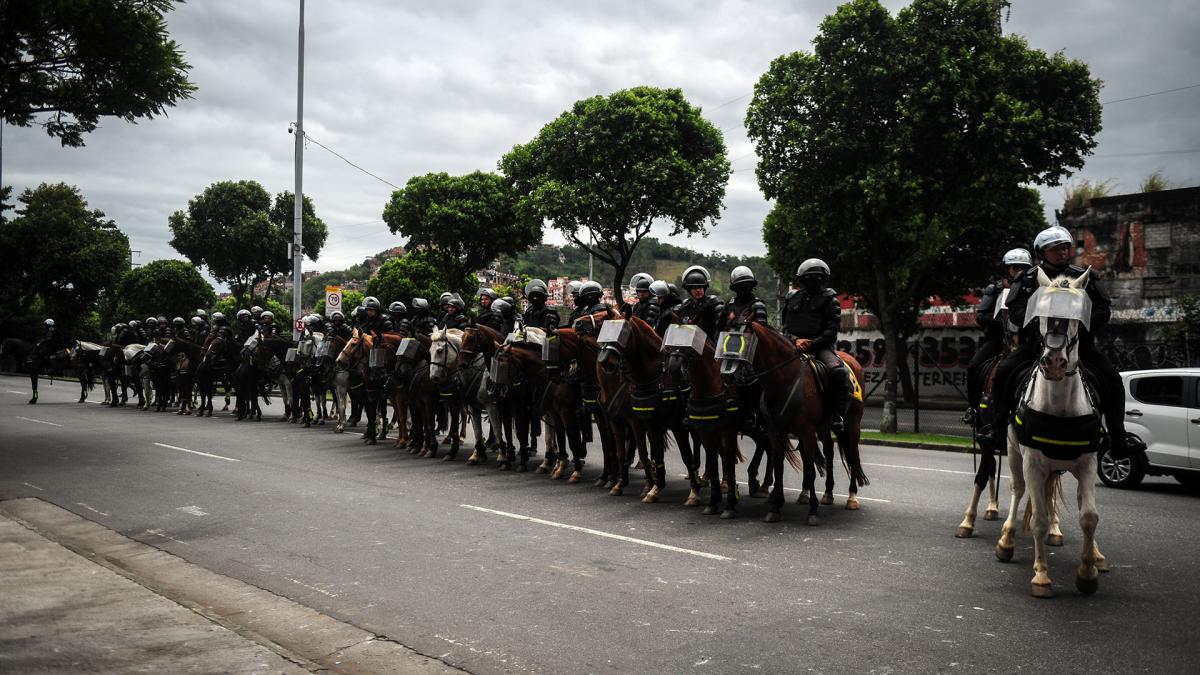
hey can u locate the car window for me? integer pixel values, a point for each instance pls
(1159, 390)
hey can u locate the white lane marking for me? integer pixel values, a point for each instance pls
(30, 419)
(18, 393)
(598, 533)
(159, 533)
(311, 588)
(788, 489)
(89, 508)
(921, 468)
(33, 486)
(194, 510)
(196, 452)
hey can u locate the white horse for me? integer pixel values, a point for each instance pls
(1055, 430)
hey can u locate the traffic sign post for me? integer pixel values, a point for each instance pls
(333, 299)
(299, 325)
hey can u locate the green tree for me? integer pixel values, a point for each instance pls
(607, 169)
(76, 61)
(283, 315)
(234, 230)
(60, 253)
(463, 222)
(897, 135)
(169, 287)
(416, 275)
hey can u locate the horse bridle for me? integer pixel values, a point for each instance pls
(452, 369)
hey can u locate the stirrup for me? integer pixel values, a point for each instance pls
(970, 416)
(836, 424)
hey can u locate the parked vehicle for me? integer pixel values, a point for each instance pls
(1162, 408)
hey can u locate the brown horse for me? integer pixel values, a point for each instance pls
(712, 410)
(513, 378)
(479, 346)
(415, 392)
(573, 371)
(792, 406)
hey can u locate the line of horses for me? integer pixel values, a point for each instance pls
(604, 376)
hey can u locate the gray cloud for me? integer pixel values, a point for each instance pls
(405, 88)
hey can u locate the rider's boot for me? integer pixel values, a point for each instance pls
(838, 397)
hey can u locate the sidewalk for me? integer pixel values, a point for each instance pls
(76, 597)
(62, 613)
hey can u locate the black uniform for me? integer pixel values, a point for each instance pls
(374, 325)
(817, 316)
(491, 319)
(704, 313)
(642, 309)
(992, 343)
(540, 316)
(1111, 389)
(456, 320)
(742, 310)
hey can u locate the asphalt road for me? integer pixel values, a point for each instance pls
(446, 559)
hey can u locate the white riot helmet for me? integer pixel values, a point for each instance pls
(573, 288)
(696, 277)
(742, 275)
(1018, 256)
(812, 266)
(641, 281)
(1052, 236)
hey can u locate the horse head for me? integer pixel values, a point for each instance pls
(444, 352)
(1061, 307)
(355, 346)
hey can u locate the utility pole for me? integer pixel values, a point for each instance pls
(298, 208)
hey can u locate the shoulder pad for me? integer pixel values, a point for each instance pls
(829, 293)
(1075, 270)
(790, 293)
(757, 304)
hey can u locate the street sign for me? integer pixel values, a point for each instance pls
(333, 298)
(300, 325)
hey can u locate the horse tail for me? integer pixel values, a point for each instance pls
(792, 455)
(1053, 491)
(850, 451)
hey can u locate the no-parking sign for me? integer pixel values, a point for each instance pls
(333, 298)
(299, 325)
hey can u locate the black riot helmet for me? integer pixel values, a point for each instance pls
(696, 277)
(397, 308)
(536, 291)
(590, 292)
(420, 306)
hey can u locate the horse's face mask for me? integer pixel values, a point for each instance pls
(733, 351)
(1061, 307)
(613, 339)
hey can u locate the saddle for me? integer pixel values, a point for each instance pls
(822, 373)
(1059, 438)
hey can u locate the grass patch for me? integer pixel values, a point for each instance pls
(942, 439)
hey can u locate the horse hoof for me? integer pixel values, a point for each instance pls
(616, 491)
(1041, 591)
(448, 458)
(1004, 554)
(1087, 586)
(522, 468)
(852, 503)
(576, 476)
(650, 498)
(608, 484)
(772, 517)
(826, 499)
(965, 533)
(1103, 566)
(991, 514)
(813, 521)
(505, 466)
(692, 500)
(728, 514)
(1054, 540)
(558, 472)
(802, 498)
(710, 510)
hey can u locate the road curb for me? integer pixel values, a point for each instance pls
(294, 631)
(943, 447)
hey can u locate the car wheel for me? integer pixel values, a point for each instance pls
(1120, 473)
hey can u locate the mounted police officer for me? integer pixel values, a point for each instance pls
(812, 317)
(245, 326)
(202, 327)
(538, 314)
(256, 313)
(220, 326)
(267, 325)
(423, 320)
(507, 316)
(661, 306)
(455, 316)
(987, 318)
(573, 297)
(180, 330)
(150, 329)
(642, 309)
(744, 307)
(373, 322)
(700, 308)
(590, 294)
(399, 317)
(1056, 247)
(337, 326)
(487, 314)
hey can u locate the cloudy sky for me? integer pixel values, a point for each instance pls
(405, 87)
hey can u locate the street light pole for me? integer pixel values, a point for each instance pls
(298, 207)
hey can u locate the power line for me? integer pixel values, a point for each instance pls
(1153, 93)
(308, 137)
(1147, 154)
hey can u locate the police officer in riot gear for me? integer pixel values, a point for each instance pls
(700, 308)
(245, 326)
(812, 316)
(150, 328)
(507, 316)
(267, 325)
(372, 322)
(398, 313)
(180, 329)
(662, 303)
(990, 321)
(423, 321)
(337, 326)
(455, 316)
(744, 307)
(1056, 248)
(590, 294)
(256, 313)
(640, 283)
(538, 314)
(488, 316)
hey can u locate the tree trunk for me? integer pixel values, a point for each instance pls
(892, 351)
(618, 277)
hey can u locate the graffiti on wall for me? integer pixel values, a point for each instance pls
(937, 360)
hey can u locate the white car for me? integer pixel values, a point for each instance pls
(1162, 408)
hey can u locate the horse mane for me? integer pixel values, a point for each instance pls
(487, 331)
(769, 333)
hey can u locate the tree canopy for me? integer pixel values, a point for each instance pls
(461, 222)
(906, 140)
(235, 230)
(283, 315)
(607, 169)
(169, 287)
(59, 254)
(416, 275)
(79, 60)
